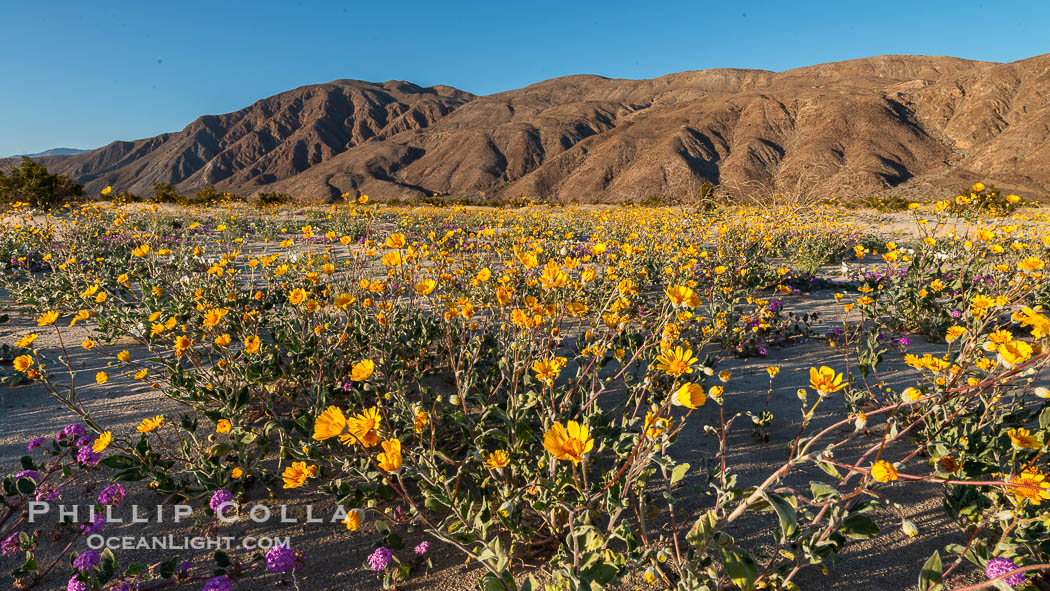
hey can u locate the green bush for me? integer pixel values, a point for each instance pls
(980, 199)
(164, 193)
(884, 203)
(33, 184)
(273, 198)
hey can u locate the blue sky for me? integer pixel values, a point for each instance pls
(81, 74)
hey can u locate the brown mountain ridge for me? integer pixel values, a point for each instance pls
(888, 123)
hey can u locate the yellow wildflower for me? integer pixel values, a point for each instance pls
(825, 380)
(102, 442)
(362, 370)
(389, 459)
(883, 471)
(689, 395)
(497, 459)
(295, 475)
(677, 362)
(151, 424)
(570, 442)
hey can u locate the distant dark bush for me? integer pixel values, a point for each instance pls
(472, 199)
(884, 203)
(658, 201)
(708, 198)
(206, 196)
(272, 199)
(33, 184)
(127, 197)
(979, 199)
(164, 193)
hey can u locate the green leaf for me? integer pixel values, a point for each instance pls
(435, 504)
(219, 449)
(29, 566)
(830, 469)
(786, 513)
(119, 462)
(107, 565)
(740, 567)
(222, 559)
(859, 527)
(822, 492)
(167, 570)
(930, 576)
(703, 530)
(679, 472)
(25, 486)
(490, 583)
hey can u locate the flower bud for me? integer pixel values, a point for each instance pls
(911, 395)
(860, 422)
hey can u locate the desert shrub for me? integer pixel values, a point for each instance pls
(164, 193)
(884, 203)
(272, 199)
(125, 196)
(981, 200)
(206, 196)
(31, 183)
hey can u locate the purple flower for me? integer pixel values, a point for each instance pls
(76, 585)
(87, 457)
(219, 583)
(83, 441)
(422, 548)
(380, 559)
(48, 493)
(11, 545)
(35, 443)
(112, 495)
(70, 433)
(904, 341)
(1000, 566)
(28, 474)
(956, 314)
(94, 526)
(280, 559)
(219, 498)
(88, 560)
